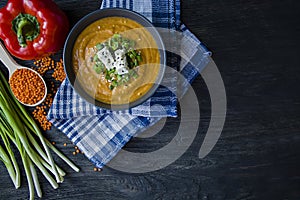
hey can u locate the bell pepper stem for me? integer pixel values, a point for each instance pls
(26, 27)
(21, 27)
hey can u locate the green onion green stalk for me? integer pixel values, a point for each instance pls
(17, 127)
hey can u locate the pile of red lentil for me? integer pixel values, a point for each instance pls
(27, 86)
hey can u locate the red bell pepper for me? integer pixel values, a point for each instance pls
(31, 29)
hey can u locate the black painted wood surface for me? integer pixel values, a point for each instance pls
(255, 44)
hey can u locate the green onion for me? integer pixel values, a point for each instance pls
(114, 83)
(99, 46)
(125, 45)
(131, 56)
(95, 58)
(139, 58)
(114, 45)
(135, 62)
(111, 87)
(133, 52)
(9, 166)
(19, 128)
(98, 69)
(117, 36)
(119, 77)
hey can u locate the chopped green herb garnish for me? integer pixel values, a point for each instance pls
(111, 87)
(114, 83)
(99, 68)
(127, 60)
(139, 58)
(95, 58)
(99, 46)
(115, 45)
(118, 36)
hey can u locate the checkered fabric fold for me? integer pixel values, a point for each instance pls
(101, 133)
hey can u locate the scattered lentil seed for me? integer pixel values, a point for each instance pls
(97, 169)
(42, 66)
(59, 73)
(65, 144)
(39, 113)
(74, 153)
(77, 151)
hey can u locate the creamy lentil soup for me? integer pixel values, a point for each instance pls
(116, 60)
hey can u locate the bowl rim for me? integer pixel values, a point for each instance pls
(86, 21)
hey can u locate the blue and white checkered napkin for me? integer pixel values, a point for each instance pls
(101, 133)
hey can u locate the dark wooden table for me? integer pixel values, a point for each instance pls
(255, 44)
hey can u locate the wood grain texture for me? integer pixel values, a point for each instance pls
(255, 44)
